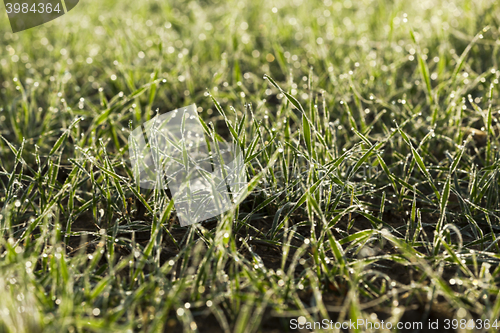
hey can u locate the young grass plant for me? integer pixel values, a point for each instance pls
(370, 139)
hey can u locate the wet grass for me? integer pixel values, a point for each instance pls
(370, 136)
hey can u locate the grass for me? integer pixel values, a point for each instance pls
(370, 137)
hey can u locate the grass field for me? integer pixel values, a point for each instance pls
(371, 141)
